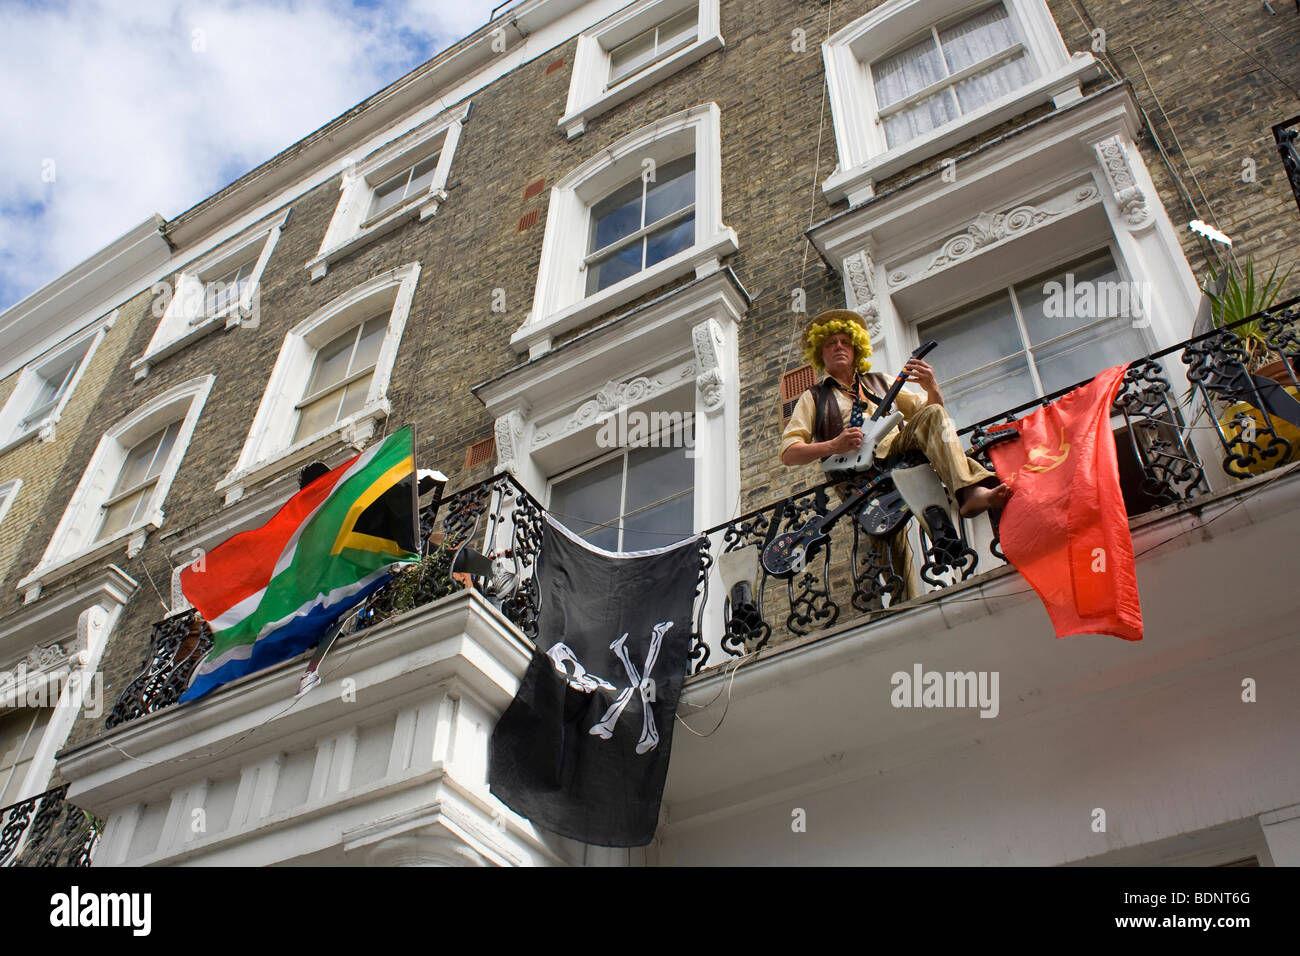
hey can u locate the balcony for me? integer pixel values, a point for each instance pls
(1285, 135)
(46, 830)
(386, 760)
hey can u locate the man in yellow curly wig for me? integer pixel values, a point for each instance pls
(837, 344)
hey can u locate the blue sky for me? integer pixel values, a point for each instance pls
(113, 110)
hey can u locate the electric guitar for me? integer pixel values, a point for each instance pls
(881, 423)
(788, 554)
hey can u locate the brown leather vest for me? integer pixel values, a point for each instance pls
(828, 422)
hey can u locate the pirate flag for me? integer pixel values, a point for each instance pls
(583, 748)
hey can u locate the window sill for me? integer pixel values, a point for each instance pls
(425, 207)
(703, 258)
(354, 430)
(43, 430)
(857, 184)
(44, 575)
(144, 363)
(574, 124)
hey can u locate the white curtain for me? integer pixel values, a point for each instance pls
(903, 74)
(975, 40)
(972, 41)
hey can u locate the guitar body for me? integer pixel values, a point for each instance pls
(789, 553)
(850, 463)
(882, 506)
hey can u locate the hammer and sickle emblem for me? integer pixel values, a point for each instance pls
(1042, 459)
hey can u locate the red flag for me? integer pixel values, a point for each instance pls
(1065, 528)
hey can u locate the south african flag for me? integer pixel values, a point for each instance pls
(272, 592)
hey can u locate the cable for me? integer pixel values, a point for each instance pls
(807, 243)
(739, 661)
(1256, 61)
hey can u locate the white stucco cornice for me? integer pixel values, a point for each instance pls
(86, 292)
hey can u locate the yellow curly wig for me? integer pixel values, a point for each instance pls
(826, 325)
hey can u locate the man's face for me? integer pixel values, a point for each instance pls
(837, 353)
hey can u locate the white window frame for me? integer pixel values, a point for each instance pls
(29, 382)
(71, 545)
(61, 641)
(1058, 259)
(269, 448)
(560, 302)
(620, 453)
(351, 226)
(8, 492)
(677, 352)
(590, 91)
(864, 155)
(180, 306)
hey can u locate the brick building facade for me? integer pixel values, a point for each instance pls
(1142, 116)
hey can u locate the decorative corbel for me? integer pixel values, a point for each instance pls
(1132, 202)
(707, 340)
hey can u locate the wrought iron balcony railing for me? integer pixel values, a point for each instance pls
(46, 830)
(1286, 135)
(850, 575)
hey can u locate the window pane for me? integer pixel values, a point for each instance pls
(354, 397)
(590, 498)
(123, 513)
(993, 390)
(616, 216)
(1080, 296)
(668, 242)
(673, 189)
(225, 289)
(318, 416)
(661, 525)
(422, 176)
(53, 385)
(676, 32)
(331, 365)
(977, 38)
(389, 194)
(372, 337)
(972, 339)
(21, 730)
(907, 72)
(654, 474)
(164, 447)
(140, 458)
(605, 273)
(1084, 354)
(631, 56)
(917, 120)
(993, 83)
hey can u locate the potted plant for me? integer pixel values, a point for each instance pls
(1236, 295)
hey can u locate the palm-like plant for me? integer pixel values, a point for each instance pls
(1235, 295)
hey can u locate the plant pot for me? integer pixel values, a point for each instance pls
(1278, 372)
(1229, 421)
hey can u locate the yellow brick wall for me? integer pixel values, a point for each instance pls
(45, 469)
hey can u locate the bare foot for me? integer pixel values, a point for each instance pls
(979, 499)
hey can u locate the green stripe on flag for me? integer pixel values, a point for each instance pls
(313, 571)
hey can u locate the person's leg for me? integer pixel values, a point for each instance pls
(931, 432)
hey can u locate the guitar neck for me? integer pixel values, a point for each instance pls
(899, 381)
(849, 502)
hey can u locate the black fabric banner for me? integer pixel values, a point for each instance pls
(583, 748)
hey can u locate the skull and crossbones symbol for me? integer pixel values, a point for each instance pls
(580, 679)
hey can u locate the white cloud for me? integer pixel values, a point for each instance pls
(154, 105)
